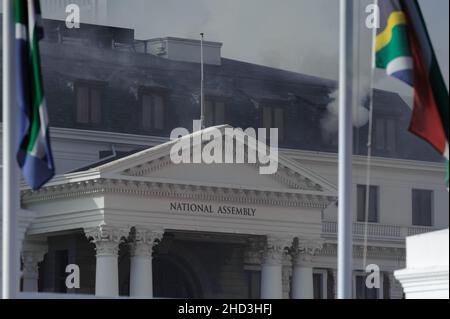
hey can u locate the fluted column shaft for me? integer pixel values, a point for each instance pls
(141, 269)
(107, 240)
(272, 268)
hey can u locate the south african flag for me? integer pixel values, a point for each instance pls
(34, 153)
(404, 49)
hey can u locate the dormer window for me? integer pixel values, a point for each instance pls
(214, 112)
(152, 111)
(385, 135)
(273, 117)
(89, 103)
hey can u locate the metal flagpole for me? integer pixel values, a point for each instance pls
(10, 255)
(202, 96)
(345, 245)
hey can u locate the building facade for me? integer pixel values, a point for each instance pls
(136, 224)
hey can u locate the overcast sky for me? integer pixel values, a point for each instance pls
(296, 35)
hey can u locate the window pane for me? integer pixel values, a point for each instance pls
(360, 286)
(82, 105)
(96, 106)
(422, 202)
(373, 204)
(267, 117)
(220, 113)
(146, 111)
(254, 284)
(159, 112)
(279, 123)
(361, 203)
(318, 286)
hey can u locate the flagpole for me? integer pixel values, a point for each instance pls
(345, 223)
(202, 95)
(10, 255)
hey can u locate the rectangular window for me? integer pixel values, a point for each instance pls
(214, 113)
(362, 291)
(88, 104)
(254, 284)
(373, 203)
(273, 117)
(153, 111)
(422, 207)
(385, 135)
(320, 284)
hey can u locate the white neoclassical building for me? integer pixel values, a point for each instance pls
(141, 226)
(136, 224)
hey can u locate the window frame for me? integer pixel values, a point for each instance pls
(378, 201)
(375, 142)
(432, 206)
(89, 85)
(324, 274)
(149, 91)
(359, 273)
(214, 99)
(273, 108)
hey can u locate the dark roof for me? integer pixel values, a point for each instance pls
(245, 87)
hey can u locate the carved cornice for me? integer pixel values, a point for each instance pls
(166, 190)
(284, 175)
(149, 167)
(393, 253)
(107, 239)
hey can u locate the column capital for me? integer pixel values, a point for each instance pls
(107, 239)
(304, 249)
(252, 254)
(143, 241)
(32, 254)
(275, 249)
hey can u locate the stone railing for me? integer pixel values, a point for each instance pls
(377, 231)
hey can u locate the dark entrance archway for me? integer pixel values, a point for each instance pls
(173, 278)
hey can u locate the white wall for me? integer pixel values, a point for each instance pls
(395, 178)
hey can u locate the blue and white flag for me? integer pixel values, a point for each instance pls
(34, 153)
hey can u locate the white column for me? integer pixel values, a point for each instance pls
(32, 255)
(302, 277)
(272, 268)
(107, 240)
(141, 269)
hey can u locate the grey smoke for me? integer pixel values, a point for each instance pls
(296, 35)
(330, 123)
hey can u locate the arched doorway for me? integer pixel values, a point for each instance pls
(173, 278)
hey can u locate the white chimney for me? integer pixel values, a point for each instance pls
(185, 50)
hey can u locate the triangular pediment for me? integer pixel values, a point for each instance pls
(156, 165)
